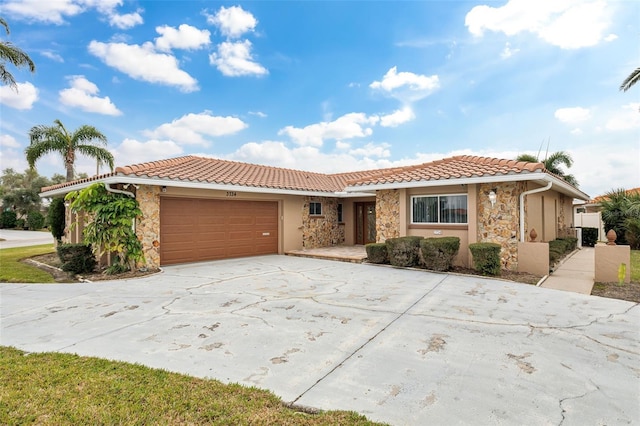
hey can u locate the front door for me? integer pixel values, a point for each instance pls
(365, 222)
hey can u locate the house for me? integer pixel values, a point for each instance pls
(197, 208)
(588, 214)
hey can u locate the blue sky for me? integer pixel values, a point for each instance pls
(331, 86)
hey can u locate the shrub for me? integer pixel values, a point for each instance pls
(438, 253)
(486, 258)
(8, 219)
(35, 220)
(56, 218)
(589, 237)
(404, 251)
(21, 223)
(377, 253)
(633, 233)
(76, 258)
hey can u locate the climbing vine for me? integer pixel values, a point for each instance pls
(111, 220)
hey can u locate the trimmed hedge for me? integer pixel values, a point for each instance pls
(76, 258)
(486, 258)
(559, 247)
(438, 253)
(35, 220)
(56, 218)
(404, 251)
(589, 237)
(377, 253)
(8, 219)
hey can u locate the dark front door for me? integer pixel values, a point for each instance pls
(365, 222)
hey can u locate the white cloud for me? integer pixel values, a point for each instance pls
(52, 55)
(508, 52)
(22, 97)
(144, 63)
(372, 150)
(352, 125)
(184, 37)
(568, 24)
(233, 21)
(126, 20)
(406, 86)
(258, 113)
(234, 59)
(55, 12)
(131, 151)
(572, 115)
(192, 129)
(611, 37)
(83, 94)
(397, 118)
(8, 141)
(576, 131)
(627, 119)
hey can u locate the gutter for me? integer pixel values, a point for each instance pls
(532, 191)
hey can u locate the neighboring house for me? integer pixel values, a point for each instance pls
(197, 208)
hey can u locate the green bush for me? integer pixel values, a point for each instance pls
(56, 218)
(438, 253)
(486, 258)
(76, 258)
(8, 219)
(404, 251)
(21, 223)
(589, 237)
(35, 220)
(377, 253)
(558, 245)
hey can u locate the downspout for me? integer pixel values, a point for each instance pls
(532, 191)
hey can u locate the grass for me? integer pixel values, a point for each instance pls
(14, 271)
(635, 266)
(65, 389)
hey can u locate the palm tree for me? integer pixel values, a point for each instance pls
(552, 163)
(632, 79)
(85, 140)
(12, 54)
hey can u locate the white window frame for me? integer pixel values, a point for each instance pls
(413, 197)
(319, 204)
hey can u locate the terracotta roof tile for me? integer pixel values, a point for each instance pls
(215, 171)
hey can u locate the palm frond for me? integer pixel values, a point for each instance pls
(632, 79)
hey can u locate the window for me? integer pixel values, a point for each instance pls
(340, 219)
(439, 209)
(315, 209)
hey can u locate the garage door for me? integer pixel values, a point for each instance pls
(193, 230)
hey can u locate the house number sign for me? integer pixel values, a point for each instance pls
(231, 194)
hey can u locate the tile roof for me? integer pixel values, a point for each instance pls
(461, 166)
(209, 170)
(601, 198)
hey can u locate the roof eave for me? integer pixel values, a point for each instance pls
(558, 184)
(138, 180)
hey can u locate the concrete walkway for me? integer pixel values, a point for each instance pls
(575, 273)
(17, 238)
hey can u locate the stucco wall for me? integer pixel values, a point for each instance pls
(500, 223)
(388, 215)
(323, 230)
(148, 226)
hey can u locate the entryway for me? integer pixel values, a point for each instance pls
(365, 222)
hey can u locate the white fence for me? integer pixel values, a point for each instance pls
(590, 220)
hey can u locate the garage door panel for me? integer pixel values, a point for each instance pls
(199, 229)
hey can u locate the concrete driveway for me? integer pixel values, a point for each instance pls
(19, 238)
(400, 346)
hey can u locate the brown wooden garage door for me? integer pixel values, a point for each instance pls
(193, 230)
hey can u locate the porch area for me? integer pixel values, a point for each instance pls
(353, 254)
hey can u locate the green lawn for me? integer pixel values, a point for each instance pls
(14, 271)
(65, 389)
(635, 266)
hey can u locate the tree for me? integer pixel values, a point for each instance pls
(632, 79)
(20, 190)
(56, 218)
(621, 212)
(86, 140)
(553, 164)
(15, 56)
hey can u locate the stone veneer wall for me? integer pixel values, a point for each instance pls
(387, 214)
(500, 223)
(148, 226)
(563, 227)
(324, 230)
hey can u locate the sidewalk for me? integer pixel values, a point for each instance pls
(575, 273)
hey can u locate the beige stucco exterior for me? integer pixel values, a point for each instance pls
(533, 258)
(608, 263)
